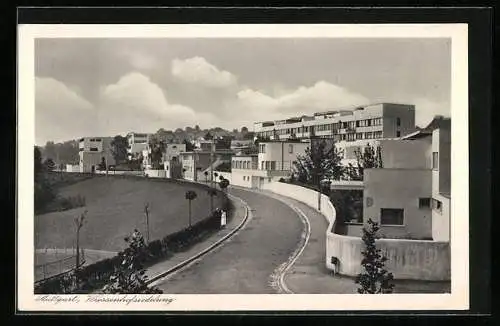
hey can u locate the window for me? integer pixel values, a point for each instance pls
(435, 160)
(273, 165)
(368, 135)
(398, 133)
(290, 148)
(262, 165)
(267, 165)
(398, 121)
(424, 203)
(437, 205)
(94, 149)
(391, 216)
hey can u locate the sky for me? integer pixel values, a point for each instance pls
(106, 87)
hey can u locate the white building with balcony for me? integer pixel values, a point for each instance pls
(274, 161)
(137, 143)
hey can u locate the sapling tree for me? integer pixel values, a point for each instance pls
(190, 196)
(370, 158)
(320, 162)
(374, 278)
(130, 276)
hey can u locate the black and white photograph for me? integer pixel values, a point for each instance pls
(288, 162)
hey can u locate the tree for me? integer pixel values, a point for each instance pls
(244, 130)
(43, 191)
(49, 164)
(370, 158)
(223, 184)
(130, 276)
(79, 224)
(119, 147)
(189, 145)
(157, 148)
(212, 192)
(102, 165)
(208, 136)
(190, 196)
(197, 128)
(319, 163)
(50, 150)
(375, 278)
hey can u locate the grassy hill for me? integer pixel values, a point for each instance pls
(115, 207)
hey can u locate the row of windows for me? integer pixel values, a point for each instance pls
(363, 135)
(241, 164)
(328, 127)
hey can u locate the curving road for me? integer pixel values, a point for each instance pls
(245, 263)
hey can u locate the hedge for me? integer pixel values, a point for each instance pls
(93, 277)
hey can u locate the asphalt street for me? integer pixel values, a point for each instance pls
(245, 263)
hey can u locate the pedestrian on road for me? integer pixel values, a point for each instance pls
(223, 219)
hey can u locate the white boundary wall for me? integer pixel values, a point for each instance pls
(407, 259)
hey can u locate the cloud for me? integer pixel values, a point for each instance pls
(303, 100)
(141, 61)
(198, 71)
(135, 103)
(426, 109)
(57, 107)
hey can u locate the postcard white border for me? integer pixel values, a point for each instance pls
(457, 300)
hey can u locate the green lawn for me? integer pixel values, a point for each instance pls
(115, 207)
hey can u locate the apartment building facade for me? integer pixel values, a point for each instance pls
(137, 143)
(275, 160)
(93, 151)
(383, 120)
(196, 163)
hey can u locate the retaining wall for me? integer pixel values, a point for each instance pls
(407, 259)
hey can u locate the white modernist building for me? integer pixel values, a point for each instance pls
(274, 161)
(350, 129)
(93, 151)
(410, 195)
(137, 143)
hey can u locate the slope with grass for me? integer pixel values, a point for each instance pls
(115, 207)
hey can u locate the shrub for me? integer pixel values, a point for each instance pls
(375, 278)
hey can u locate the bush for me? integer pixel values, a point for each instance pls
(95, 276)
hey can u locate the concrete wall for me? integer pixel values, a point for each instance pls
(156, 173)
(399, 188)
(405, 154)
(72, 168)
(441, 220)
(408, 259)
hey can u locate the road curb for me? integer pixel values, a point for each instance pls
(278, 276)
(208, 249)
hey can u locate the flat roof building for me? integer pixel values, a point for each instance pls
(382, 120)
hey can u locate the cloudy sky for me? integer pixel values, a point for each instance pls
(105, 87)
